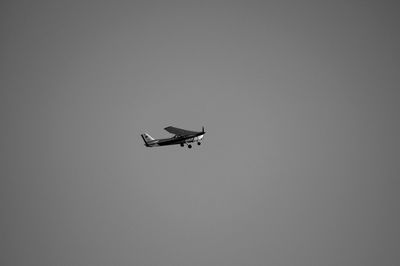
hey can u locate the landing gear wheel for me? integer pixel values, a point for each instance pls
(181, 144)
(189, 146)
(198, 143)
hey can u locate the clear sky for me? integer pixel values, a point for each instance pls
(299, 166)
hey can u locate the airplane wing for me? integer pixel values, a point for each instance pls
(179, 131)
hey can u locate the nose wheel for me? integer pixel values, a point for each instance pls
(198, 143)
(189, 146)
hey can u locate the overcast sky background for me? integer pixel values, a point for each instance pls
(299, 165)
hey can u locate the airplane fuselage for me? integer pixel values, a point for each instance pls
(181, 140)
(181, 137)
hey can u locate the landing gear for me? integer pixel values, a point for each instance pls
(181, 144)
(198, 143)
(189, 146)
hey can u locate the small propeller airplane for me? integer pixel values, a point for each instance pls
(181, 137)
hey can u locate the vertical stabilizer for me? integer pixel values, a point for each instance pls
(147, 139)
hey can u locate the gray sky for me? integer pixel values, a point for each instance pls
(299, 165)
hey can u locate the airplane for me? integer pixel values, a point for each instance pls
(181, 137)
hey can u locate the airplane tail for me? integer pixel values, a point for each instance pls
(147, 138)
